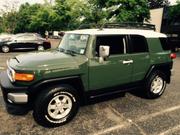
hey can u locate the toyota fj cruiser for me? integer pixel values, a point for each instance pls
(88, 63)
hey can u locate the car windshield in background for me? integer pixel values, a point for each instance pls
(74, 43)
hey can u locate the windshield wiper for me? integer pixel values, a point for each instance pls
(71, 52)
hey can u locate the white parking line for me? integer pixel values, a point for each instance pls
(143, 118)
(171, 130)
(108, 130)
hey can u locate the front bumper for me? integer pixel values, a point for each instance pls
(19, 98)
(15, 97)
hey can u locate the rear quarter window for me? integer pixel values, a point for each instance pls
(165, 44)
(138, 44)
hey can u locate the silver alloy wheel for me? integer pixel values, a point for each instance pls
(40, 48)
(59, 107)
(157, 85)
(5, 49)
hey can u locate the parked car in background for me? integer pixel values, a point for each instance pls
(25, 41)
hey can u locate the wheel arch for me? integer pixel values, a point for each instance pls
(164, 67)
(74, 82)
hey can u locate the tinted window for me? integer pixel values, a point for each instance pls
(138, 44)
(165, 44)
(116, 43)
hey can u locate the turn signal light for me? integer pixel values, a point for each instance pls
(24, 77)
(172, 55)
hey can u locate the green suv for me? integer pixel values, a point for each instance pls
(88, 63)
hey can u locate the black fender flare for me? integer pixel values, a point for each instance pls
(74, 81)
(164, 67)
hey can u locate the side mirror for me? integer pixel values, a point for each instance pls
(104, 51)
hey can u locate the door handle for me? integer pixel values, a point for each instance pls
(127, 61)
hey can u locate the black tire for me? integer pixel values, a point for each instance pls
(151, 91)
(41, 112)
(5, 49)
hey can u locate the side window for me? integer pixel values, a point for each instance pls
(138, 44)
(165, 43)
(116, 43)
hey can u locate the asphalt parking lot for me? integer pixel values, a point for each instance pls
(128, 115)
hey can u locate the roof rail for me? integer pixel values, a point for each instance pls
(89, 26)
(130, 25)
(127, 25)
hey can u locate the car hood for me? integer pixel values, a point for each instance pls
(44, 60)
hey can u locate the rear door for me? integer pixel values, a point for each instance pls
(138, 48)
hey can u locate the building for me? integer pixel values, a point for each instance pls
(160, 17)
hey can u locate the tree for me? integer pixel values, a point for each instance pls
(45, 19)
(26, 11)
(8, 19)
(158, 3)
(119, 11)
(9, 22)
(174, 13)
(94, 12)
(129, 10)
(1, 25)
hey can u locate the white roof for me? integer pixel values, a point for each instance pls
(105, 31)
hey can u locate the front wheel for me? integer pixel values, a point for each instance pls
(56, 106)
(156, 85)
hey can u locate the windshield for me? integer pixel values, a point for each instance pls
(74, 43)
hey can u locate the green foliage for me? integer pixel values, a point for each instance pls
(9, 22)
(69, 14)
(118, 11)
(174, 13)
(158, 3)
(25, 14)
(129, 10)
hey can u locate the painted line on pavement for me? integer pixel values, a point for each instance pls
(108, 130)
(171, 130)
(143, 118)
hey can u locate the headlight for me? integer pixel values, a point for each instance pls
(10, 73)
(13, 76)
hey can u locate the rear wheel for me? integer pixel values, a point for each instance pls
(156, 84)
(56, 106)
(5, 49)
(40, 48)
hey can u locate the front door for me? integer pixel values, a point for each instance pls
(116, 69)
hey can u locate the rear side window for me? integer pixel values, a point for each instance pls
(165, 44)
(138, 44)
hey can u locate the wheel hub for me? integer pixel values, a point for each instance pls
(60, 106)
(157, 85)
